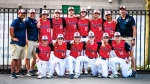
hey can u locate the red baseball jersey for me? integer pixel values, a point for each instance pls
(71, 28)
(96, 27)
(57, 25)
(104, 51)
(76, 49)
(91, 50)
(44, 52)
(110, 27)
(120, 49)
(45, 29)
(60, 50)
(83, 27)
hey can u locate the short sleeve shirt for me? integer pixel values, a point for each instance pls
(19, 32)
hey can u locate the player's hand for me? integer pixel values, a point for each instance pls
(38, 24)
(37, 44)
(37, 60)
(127, 61)
(72, 42)
(115, 20)
(26, 42)
(132, 42)
(15, 39)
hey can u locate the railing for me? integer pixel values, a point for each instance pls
(7, 15)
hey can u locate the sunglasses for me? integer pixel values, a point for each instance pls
(91, 36)
(44, 40)
(57, 13)
(77, 37)
(83, 12)
(23, 13)
(117, 36)
(32, 13)
(60, 38)
(96, 13)
(106, 37)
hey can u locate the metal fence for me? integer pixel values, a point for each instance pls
(7, 15)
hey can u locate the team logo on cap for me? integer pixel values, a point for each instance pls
(60, 36)
(105, 34)
(91, 33)
(117, 33)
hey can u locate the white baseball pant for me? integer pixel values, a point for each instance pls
(60, 64)
(102, 65)
(42, 67)
(126, 71)
(71, 64)
(85, 59)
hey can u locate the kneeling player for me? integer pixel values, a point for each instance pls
(59, 59)
(122, 50)
(104, 52)
(43, 51)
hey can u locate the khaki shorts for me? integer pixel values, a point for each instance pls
(31, 49)
(18, 52)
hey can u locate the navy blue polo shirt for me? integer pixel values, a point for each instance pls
(32, 31)
(19, 32)
(124, 26)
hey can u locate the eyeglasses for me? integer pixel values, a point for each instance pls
(106, 37)
(77, 37)
(117, 36)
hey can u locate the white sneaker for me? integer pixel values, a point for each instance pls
(39, 76)
(113, 76)
(99, 75)
(76, 76)
(49, 76)
(86, 71)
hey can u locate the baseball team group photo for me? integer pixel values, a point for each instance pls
(73, 45)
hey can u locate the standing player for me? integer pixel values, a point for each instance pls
(104, 53)
(91, 49)
(18, 42)
(43, 51)
(83, 24)
(75, 51)
(96, 25)
(127, 28)
(32, 35)
(71, 24)
(109, 25)
(44, 26)
(122, 50)
(59, 59)
(58, 24)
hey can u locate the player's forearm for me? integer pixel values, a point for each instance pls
(134, 32)
(12, 33)
(51, 33)
(36, 54)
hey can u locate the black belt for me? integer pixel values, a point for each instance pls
(83, 36)
(33, 40)
(104, 58)
(61, 58)
(91, 58)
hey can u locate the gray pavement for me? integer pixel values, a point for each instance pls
(84, 79)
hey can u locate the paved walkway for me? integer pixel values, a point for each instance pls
(84, 79)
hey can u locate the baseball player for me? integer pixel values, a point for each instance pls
(127, 28)
(109, 24)
(75, 51)
(122, 50)
(58, 24)
(43, 51)
(91, 49)
(44, 25)
(104, 53)
(83, 24)
(18, 42)
(59, 59)
(32, 35)
(96, 25)
(71, 24)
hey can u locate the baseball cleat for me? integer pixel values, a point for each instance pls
(39, 76)
(71, 76)
(99, 75)
(13, 75)
(134, 74)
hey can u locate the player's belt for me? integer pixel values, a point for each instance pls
(125, 58)
(92, 58)
(61, 58)
(33, 40)
(83, 36)
(104, 58)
